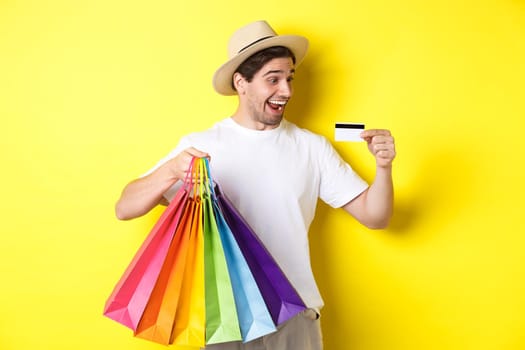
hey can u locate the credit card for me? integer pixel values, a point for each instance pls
(348, 131)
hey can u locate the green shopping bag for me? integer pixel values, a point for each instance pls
(222, 324)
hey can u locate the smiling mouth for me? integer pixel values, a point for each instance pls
(277, 105)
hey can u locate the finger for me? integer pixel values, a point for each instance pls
(384, 160)
(382, 139)
(196, 153)
(369, 133)
(385, 153)
(382, 147)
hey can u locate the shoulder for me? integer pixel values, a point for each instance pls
(304, 135)
(215, 131)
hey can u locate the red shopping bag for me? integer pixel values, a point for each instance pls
(130, 296)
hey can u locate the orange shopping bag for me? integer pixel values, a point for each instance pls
(158, 318)
(190, 317)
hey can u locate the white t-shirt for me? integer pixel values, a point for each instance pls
(274, 179)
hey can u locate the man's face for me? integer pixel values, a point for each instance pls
(265, 97)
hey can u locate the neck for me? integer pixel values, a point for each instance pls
(246, 120)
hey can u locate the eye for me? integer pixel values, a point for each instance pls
(289, 79)
(273, 80)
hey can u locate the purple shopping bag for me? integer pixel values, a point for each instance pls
(255, 319)
(280, 296)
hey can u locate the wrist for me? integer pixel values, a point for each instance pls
(164, 174)
(384, 168)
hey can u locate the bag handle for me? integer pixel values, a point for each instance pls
(198, 178)
(208, 178)
(188, 179)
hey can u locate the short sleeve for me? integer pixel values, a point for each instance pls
(339, 182)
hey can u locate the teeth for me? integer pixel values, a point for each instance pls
(282, 103)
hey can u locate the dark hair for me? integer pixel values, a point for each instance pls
(255, 62)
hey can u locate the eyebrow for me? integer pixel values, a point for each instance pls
(278, 71)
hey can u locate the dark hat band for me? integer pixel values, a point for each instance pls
(255, 42)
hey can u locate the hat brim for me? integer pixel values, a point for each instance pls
(222, 79)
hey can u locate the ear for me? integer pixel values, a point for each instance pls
(239, 83)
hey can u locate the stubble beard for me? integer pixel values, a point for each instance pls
(268, 120)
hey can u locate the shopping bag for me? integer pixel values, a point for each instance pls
(280, 296)
(190, 318)
(158, 318)
(254, 317)
(202, 276)
(129, 297)
(222, 324)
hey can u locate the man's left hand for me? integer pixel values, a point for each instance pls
(381, 145)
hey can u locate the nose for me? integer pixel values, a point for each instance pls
(285, 89)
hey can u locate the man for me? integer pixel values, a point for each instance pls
(272, 171)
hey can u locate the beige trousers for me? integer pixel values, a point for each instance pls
(302, 332)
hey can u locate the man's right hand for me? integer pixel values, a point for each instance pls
(177, 167)
(143, 194)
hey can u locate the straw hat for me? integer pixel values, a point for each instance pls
(248, 40)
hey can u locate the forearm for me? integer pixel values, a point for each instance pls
(379, 201)
(143, 194)
(373, 208)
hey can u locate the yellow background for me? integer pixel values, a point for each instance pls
(93, 93)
